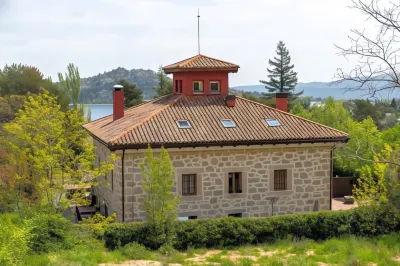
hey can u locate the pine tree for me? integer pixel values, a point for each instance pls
(282, 78)
(164, 85)
(393, 103)
(133, 95)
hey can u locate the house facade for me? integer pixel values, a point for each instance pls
(231, 156)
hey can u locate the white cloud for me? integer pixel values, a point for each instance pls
(101, 35)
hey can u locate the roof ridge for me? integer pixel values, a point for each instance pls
(213, 58)
(132, 107)
(177, 63)
(286, 113)
(144, 120)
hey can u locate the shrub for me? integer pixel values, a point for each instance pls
(229, 231)
(135, 251)
(14, 238)
(50, 232)
(97, 223)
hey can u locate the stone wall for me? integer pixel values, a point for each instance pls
(308, 169)
(109, 188)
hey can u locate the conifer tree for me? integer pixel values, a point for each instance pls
(164, 85)
(282, 77)
(133, 95)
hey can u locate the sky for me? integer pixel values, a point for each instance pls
(101, 35)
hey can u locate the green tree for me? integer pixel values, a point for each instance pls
(71, 84)
(362, 109)
(133, 95)
(282, 77)
(393, 103)
(164, 85)
(48, 148)
(160, 203)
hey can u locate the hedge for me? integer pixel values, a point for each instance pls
(229, 231)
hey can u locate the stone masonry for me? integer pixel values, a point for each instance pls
(308, 169)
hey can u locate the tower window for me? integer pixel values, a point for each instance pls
(214, 86)
(198, 86)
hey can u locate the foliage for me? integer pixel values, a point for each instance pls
(133, 95)
(164, 85)
(50, 233)
(282, 78)
(14, 239)
(225, 232)
(364, 109)
(372, 185)
(48, 148)
(135, 251)
(18, 79)
(98, 222)
(160, 203)
(71, 84)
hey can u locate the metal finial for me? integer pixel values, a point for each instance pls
(198, 29)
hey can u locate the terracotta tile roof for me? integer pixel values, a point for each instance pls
(201, 62)
(155, 123)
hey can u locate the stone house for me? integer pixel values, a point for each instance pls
(231, 156)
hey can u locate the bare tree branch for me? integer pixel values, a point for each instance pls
(377, 67)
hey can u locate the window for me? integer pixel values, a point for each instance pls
(272, 122)
(197, 86)
(238, 215)
(189, 184)
(184, 218)
(176, 86)
(180, 86)
(235, 182)
(280, 179)
(214, 86)
(228, 123)
(183, 124)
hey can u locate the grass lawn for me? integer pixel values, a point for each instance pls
(383, 250)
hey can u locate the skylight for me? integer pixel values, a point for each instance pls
(228, 123)
(183, 124)
(272, 122)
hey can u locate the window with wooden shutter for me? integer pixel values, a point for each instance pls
(280, 179)
(235, 182)
(189, 184)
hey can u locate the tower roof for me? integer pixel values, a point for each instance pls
(201, 63)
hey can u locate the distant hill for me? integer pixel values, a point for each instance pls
(98, 89)
(318, 90)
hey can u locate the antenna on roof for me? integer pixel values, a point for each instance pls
(198, 29)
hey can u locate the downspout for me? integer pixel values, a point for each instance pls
(123, 186)
(331, 177)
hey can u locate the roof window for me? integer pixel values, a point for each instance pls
(272, 122)
(183, 124)
(228, 123)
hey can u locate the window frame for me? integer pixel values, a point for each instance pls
(201, 86)
(281, 174)
(183, 127)
(219, 86)
(237, 181)
(272, 122)
(230, 120)
(184, 189)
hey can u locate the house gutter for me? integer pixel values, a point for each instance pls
(123, 185)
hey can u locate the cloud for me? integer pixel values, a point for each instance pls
(101, 35)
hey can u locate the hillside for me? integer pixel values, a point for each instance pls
(315, 89)
(98, 89)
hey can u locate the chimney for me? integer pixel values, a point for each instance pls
(230, 100)
(118, 102)
(282, 101)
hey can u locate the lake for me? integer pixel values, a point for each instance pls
(99, 110)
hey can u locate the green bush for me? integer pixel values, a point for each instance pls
(135, 251)
(14, 238)
(97, 223)
(226, 232)
(50, 232)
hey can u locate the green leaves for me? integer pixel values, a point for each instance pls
(164, 85)
(133, 95)
(160, 203)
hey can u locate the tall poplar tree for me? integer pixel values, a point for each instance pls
(282, 77)
(71, 84)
